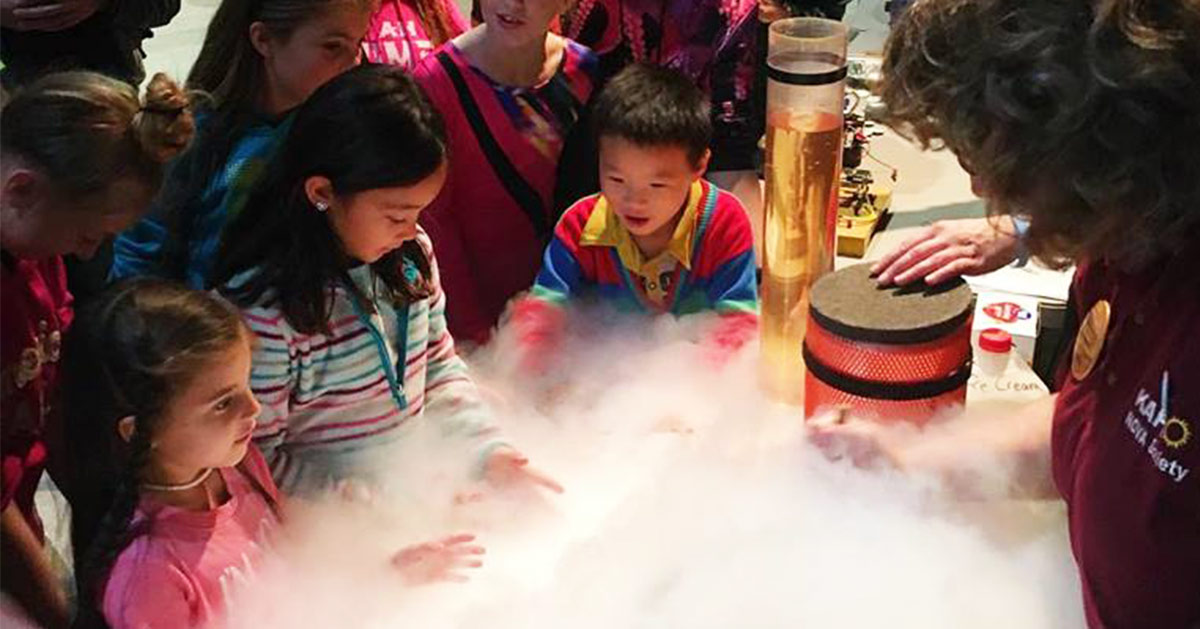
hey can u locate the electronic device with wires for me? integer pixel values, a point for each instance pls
(863, 201)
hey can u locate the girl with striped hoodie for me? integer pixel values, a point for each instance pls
(340, 287)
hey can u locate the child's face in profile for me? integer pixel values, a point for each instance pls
(372, 223)
(210, 420)
(50, 223)
(317, 51)
(647, 186)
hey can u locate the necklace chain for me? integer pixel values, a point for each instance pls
(200, 478)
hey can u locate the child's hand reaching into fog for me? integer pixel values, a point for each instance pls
(355, 492)
(508, 468)
(439, 561)
(673, 424)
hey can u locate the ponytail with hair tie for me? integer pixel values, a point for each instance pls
(86, 131)
(164, 123)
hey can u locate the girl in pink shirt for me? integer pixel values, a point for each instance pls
(175, 507)
(403, 32)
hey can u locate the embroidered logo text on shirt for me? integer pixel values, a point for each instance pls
(1171, 434)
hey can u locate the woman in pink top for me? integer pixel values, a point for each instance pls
(174, 506)
(510, 92)
(403, 32)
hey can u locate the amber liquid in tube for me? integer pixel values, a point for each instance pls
(804, 165)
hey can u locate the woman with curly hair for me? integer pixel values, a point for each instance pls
(1082, 117)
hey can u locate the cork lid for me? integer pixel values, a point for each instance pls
(851, 305)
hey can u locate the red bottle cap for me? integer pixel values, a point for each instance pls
(995, 340)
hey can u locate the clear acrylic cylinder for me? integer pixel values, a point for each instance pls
(806, 70)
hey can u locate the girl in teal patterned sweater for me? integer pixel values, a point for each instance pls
(260, 60)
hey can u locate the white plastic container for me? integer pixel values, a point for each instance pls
(1015, 314)
(1000, 374)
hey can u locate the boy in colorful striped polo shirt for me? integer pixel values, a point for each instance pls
(658, 238)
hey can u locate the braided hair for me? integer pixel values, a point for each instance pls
(127, 355)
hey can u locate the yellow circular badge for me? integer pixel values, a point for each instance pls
(1176, 433)
(1090, 340)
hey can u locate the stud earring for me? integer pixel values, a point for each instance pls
(321, 206)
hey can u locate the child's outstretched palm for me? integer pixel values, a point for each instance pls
(439, 561)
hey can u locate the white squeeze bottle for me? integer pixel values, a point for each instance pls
(1000, 374)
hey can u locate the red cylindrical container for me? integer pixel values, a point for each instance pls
(897, 353)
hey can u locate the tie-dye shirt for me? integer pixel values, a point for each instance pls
(713, 42)
(488, 238)
(139, 250)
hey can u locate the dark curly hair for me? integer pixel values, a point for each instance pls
(1083, 115)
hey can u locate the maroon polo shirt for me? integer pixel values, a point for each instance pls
(35, 311)
(1126, 448)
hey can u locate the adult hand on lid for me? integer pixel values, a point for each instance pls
(948, 249)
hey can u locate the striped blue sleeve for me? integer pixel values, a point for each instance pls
(274, 374)
(561, 274)
(733, 288)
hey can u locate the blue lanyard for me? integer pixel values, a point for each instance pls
(393, 372)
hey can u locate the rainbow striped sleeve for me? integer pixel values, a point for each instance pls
(726, 259)
(539, 318)
(273, 376)
(725, 266)
(562, 274)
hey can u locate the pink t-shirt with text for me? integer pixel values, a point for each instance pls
(398, 36)
(182, 571)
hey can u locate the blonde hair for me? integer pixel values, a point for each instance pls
(86, 131)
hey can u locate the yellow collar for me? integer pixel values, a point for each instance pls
(604, 229)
